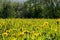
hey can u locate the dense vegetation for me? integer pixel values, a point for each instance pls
(29, 29)
(30, 9)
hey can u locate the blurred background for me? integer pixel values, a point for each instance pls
(29, 8)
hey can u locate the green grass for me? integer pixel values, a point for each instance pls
(29, 29)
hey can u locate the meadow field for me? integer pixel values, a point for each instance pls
(29, 29)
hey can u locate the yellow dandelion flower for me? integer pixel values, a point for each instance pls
(3, 23)
(5, 34)
(8, 30)
(45, 24)
(20, 33)
(36, 34)
(26, 31)
(58, 20)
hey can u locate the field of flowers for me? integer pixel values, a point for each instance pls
(29, 29)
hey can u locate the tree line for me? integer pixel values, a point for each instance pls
(30, 9)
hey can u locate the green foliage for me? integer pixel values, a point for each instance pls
(30, 9)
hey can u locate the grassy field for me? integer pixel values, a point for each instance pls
(29, 29)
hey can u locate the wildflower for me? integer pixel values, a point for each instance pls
(5, 34)
(58, 21)
(3, 23)
(20, 33)
(27, 32)
(45, 24)
(36, 34)
(8, 30)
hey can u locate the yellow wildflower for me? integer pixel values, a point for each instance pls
(3, 23)
(45, 24)
(36, 34)
(58, 20)
(8, 30)
(20, 33)
(5, 34)
(26, 31)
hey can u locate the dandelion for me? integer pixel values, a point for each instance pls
(3, 23)
(8, 30)
(20, 33)
(36, 34)
(45, 24)
(5, 34)
(26, 31)
(58, 21)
